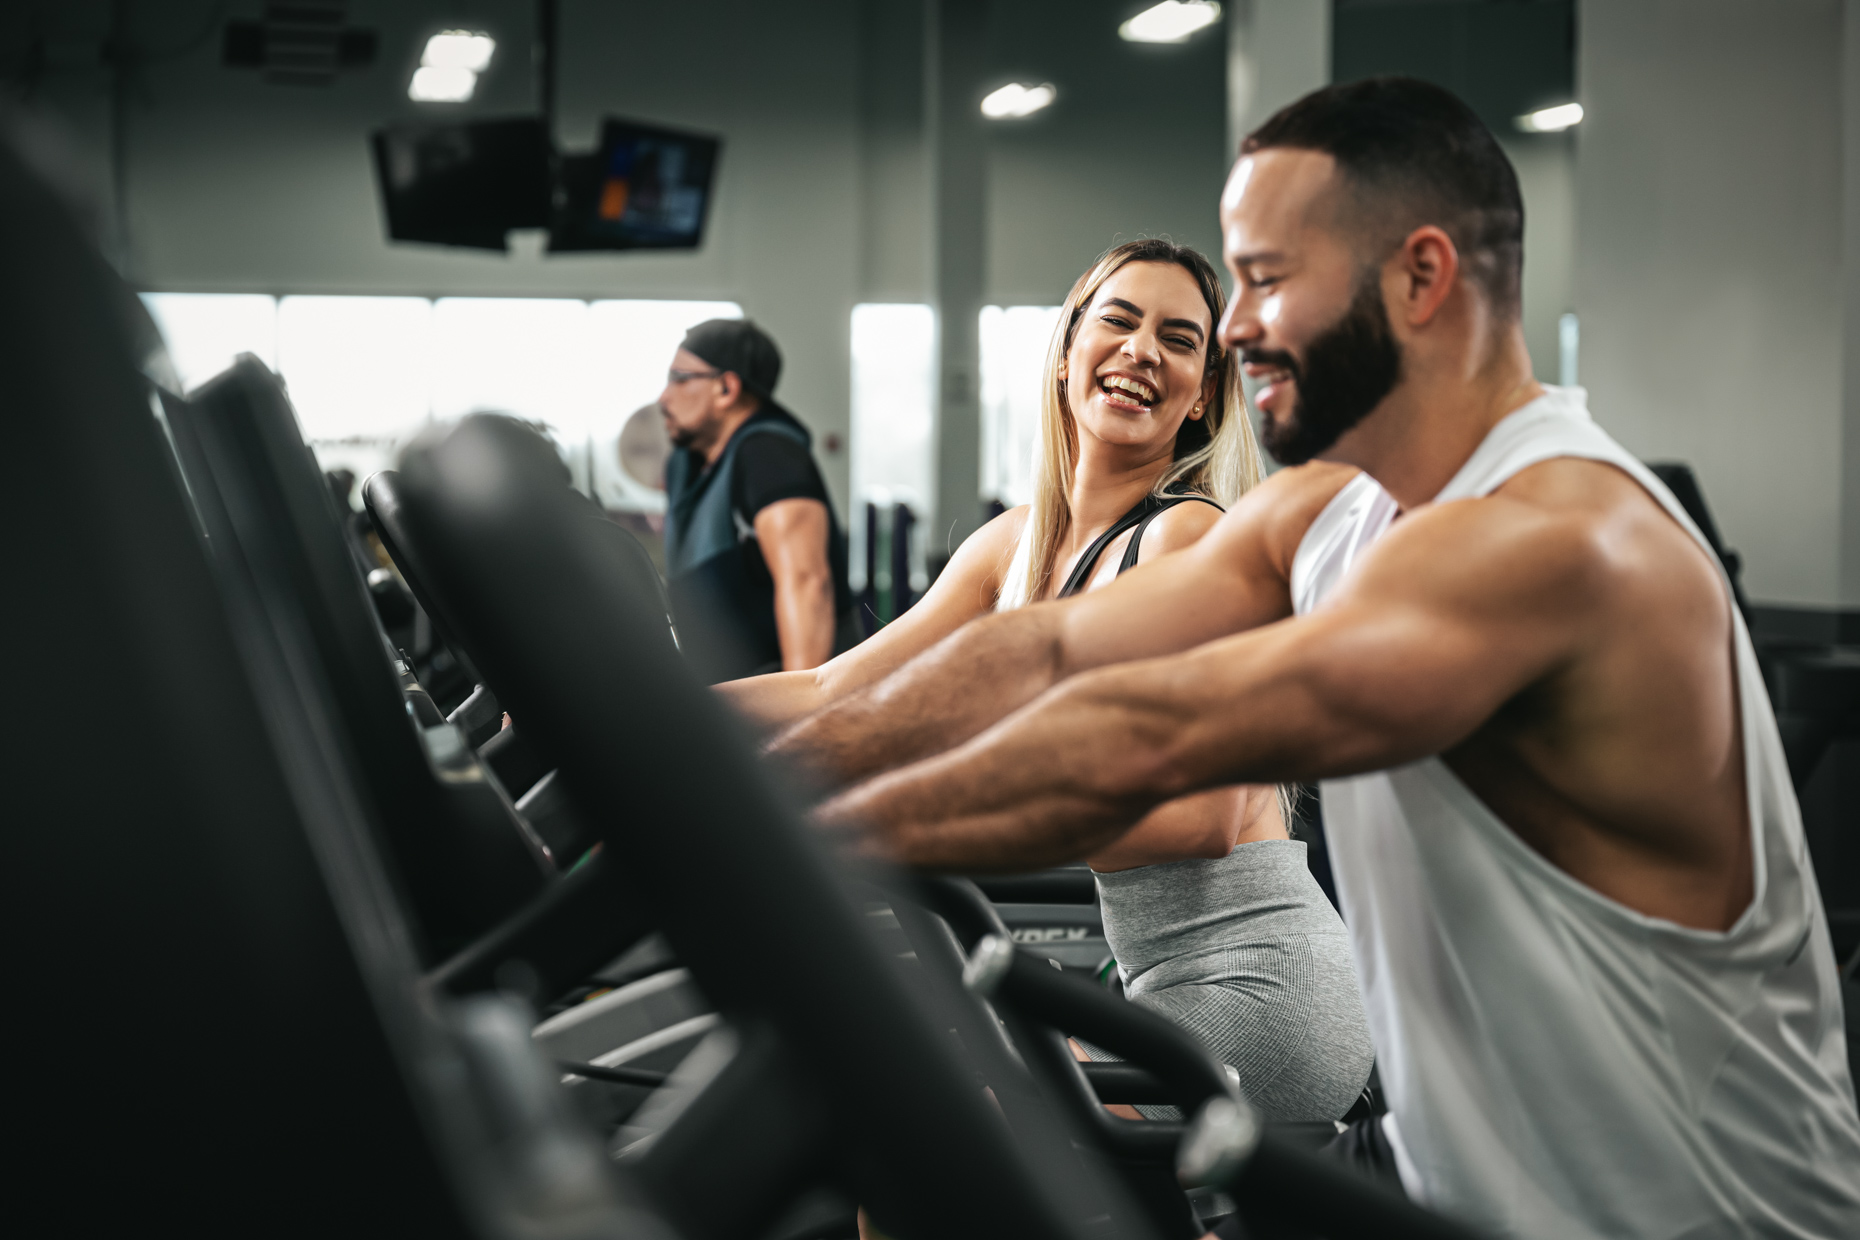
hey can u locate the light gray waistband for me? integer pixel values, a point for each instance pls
(1259, 891)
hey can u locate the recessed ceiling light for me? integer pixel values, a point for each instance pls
(1014, 99)
(1172, 21)
(459, 49)
(441, 84)
(1551, 120)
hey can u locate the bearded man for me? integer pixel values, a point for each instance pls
(1598, 975)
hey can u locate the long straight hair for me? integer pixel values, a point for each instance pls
(1215, 456)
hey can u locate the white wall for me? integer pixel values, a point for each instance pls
(1546, 170)
(1708, 276)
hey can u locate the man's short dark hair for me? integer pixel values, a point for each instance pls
(1414, 154)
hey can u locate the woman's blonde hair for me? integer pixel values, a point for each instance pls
(1215, 456)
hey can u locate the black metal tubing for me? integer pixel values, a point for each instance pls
(458, 849)
(582, 658)
(381, 497)
(1148, 1142)
(959, 902)
(1282, 1181)
(576, 926)
(1067, 885)
(750, 1142)
(1126, 1083)
(1023, 1088)
(615, 1075)
(515, 760)
(1284, 1188)
(1185, 1069)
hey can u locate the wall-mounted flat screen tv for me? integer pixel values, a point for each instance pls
(464, 184)
(644, 188)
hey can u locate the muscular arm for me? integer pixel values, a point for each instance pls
(1233, 579)
(793, 536)
(1407, 661)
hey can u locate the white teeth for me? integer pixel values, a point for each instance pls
(1141, 391)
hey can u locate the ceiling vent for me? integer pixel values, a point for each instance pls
(299, 43)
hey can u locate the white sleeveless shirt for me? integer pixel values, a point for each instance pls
(1556, 1064)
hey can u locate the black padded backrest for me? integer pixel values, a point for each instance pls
(461, 855)
(625, 561)
(381, 497)
(181, 960)
(583, 662)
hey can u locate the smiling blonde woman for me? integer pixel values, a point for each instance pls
(1208, 906)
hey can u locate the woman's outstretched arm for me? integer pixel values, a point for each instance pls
(965, 589)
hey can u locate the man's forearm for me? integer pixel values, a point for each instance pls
(804, 620)
(1054, 782)
(952, 691)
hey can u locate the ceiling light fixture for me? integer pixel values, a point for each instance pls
(441, 84)
(450, 65)
(1014, 100)
(1551, 120)
(1172, 21)
(459, 49)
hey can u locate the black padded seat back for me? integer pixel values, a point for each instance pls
(461, 853)
(381, 500)
(626, 561)
(189, 956)
(583, 661)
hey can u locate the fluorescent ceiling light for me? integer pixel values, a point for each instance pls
(459, 49)
(1551, 120)
(441, 84)
(1015, 99)
(1172, 21)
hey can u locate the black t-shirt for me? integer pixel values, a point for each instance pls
(771, 468)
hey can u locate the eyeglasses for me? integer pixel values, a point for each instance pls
(676, 377)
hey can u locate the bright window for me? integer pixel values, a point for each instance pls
(357, 367)
(522, 356)
(893, 395)
(206, 331)
(892, 456)
(1013, 358)
(366, 373)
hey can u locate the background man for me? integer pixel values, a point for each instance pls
(755, 557)
(1597, 972)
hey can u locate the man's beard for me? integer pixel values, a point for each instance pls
(1345, 373)
(681, 436)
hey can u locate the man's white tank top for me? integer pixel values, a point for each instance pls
(1556, 1064)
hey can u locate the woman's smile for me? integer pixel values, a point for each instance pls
(1125, 391)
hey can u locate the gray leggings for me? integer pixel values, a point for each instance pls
(1248, 954)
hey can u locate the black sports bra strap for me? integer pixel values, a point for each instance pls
(1138, 518)
(1136, 538)
(1081, 572)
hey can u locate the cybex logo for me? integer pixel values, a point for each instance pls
(1052, 934)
